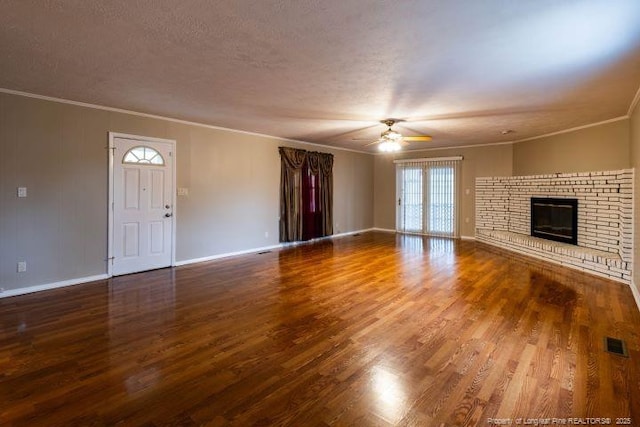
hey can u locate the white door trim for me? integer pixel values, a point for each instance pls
(112, 137)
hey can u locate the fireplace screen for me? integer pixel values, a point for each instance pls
(555, 219)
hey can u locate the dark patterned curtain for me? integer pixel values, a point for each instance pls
(326, 192)
(306, 194)
(291, 161)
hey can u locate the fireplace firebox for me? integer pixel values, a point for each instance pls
(555, 219)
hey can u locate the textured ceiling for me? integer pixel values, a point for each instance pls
(328, 71)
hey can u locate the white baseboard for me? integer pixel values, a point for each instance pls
(48, 286)
(227, 254)
(635, 292)
(80, 280)
(266, 248)
(351, 233)
(384, 230)
(333, 236)
(387, 230)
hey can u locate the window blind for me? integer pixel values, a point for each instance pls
(427, 196)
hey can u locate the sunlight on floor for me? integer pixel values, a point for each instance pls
(390, 397)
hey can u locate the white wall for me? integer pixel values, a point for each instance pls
(635, 162)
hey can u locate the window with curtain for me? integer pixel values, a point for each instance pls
(311, 208)
(306, 194)
(427, 196)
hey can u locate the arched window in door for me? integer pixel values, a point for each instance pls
(143, 155)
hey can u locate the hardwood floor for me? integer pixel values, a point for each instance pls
(375, 329)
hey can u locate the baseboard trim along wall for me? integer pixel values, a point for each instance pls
(226, 255)
(55, 285)
(348, 233)
(385, 230)
(388, 230)
(635, 292)
(80, 280)
(267, 248)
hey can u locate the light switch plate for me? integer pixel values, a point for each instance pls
(22, 191)
(183, 191)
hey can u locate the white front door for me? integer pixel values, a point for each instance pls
(142, 209)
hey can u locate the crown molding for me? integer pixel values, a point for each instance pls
(604, 122)
(170, 119)
(451, 147)
(634, 103)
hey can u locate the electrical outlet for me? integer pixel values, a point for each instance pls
(22, 266)
(22, 191)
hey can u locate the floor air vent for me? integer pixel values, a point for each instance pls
(264, 252)
(616, 346)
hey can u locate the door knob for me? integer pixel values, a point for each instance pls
(168, 215)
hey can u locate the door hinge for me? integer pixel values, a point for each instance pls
(110, 259)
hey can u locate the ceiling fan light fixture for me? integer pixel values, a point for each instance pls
(389, 146)
(391, 141)
(391, 135)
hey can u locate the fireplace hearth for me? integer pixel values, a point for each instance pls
(555, 219)
(604, 232)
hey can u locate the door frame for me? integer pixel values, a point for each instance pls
(457, 192)
(110, 206)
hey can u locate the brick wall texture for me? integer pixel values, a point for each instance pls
(605, 218)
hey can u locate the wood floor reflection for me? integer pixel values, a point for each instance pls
(375, 329)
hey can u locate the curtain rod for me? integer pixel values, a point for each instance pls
(429, 159)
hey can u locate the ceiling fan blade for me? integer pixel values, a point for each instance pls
(343, 134)
(418, 138)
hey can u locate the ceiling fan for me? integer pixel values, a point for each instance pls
(391, 140)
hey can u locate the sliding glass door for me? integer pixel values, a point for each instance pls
(427, 193)
(410, 203)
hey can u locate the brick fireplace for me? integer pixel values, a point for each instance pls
(604, 220)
